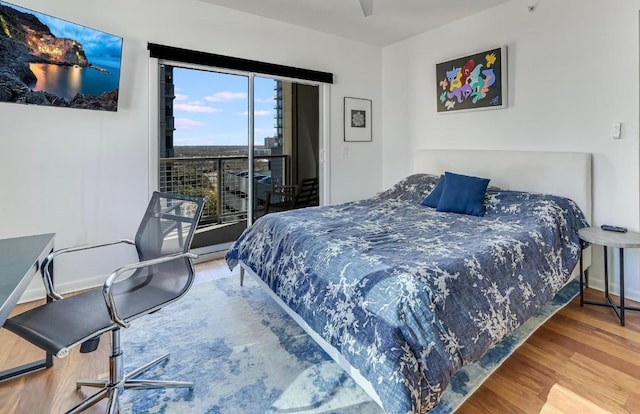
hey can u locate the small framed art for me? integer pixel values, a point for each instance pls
(471, 82)
(357, 120)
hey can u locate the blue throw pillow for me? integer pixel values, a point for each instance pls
(463, 194)
(434, 196)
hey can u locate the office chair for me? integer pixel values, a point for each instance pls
(292, 197)
(163, 275)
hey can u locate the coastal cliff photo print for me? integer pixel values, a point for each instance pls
(48, 61)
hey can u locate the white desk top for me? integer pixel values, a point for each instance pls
(596, 235)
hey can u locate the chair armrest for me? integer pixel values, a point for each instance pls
(106, 288)
(44, 269)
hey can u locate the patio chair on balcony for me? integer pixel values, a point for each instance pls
(291, 197)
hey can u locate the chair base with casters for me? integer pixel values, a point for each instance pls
(163, 275)
(118, 382)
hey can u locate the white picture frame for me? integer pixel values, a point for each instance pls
(357, 120)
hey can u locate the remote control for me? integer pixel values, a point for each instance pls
(609, 227)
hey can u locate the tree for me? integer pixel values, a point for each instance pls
(192, 182)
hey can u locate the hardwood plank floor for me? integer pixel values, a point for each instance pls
(580, 361)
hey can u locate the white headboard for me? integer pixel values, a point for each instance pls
(565, 174)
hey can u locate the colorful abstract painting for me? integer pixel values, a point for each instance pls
(477, 81)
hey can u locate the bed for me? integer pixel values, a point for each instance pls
(402, 295)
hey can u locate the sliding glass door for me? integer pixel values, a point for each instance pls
(285, 151)
(233, 138)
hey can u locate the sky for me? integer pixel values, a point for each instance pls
(211, 108)
(101, 48)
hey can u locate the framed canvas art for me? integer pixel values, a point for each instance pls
(49, 61)
(476, 81)
(357, 120)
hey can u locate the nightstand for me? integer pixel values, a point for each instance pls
(607, 239)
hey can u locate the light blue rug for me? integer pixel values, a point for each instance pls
(246, 355)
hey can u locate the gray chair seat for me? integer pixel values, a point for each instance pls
(68, 322)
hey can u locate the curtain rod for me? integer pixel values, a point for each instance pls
(230, 62)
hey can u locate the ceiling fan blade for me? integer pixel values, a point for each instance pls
(367, 7)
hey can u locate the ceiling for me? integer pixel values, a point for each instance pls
(391, 22)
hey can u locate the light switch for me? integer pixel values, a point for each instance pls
(616, 130)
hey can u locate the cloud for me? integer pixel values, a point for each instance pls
(180, 97)
(186, 123)
(195, 106)
(226, 96)
(256, 112)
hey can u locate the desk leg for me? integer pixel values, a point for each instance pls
(47, 362)
(621, 250)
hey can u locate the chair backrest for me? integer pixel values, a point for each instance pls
(167, 227)
(307, 194)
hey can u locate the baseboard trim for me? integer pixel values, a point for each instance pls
(631, 294)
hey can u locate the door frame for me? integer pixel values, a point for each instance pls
(324, 128)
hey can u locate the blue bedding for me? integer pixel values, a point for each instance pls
(408, 294)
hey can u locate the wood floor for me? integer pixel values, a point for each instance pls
(580, 361)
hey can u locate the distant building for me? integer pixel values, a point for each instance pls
(278, 112)
(272, 142)
(167, 123)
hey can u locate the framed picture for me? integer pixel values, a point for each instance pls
(476, 81)
(357, 120)
(54, 62)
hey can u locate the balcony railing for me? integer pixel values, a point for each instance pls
(225, 182)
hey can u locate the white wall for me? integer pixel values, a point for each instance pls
(572, 72)
(85, 174)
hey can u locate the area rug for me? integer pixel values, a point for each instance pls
(246, 355)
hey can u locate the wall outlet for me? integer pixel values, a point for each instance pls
(616, 130)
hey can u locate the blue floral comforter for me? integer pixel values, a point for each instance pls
(408, 294)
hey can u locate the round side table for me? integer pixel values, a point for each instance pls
(607, 239)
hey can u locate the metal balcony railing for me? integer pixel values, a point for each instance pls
(225, 182)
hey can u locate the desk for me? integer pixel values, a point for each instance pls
(20, 260)
(605, 238)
